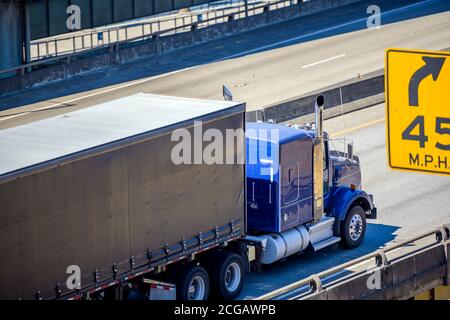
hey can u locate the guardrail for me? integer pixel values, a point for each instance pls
(67, 48)
(316, 287)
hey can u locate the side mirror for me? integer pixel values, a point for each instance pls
(350, 151)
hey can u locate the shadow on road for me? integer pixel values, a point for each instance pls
(301, 266)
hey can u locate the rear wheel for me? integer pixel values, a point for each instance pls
(193, 283)
(353, 228)
(227, 275)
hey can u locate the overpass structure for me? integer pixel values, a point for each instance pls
(37, 33)
(22, 21)
(25, 50)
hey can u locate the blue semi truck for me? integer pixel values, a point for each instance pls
(312, 196)
(95, 206)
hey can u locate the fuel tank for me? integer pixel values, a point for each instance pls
(284, 244)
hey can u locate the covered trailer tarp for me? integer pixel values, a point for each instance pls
(97, 188)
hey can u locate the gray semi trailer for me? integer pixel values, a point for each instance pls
(94, 204)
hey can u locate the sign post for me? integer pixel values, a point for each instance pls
(418, 110)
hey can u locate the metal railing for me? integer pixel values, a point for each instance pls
(65, 48)
(379, 257)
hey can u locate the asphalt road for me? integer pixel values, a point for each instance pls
(408, 204)
(269, 65)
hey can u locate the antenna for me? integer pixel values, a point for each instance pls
(342, 114)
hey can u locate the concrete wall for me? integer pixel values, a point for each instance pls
(10, 36)
(400, 279)
(154, 47)
(356, 94)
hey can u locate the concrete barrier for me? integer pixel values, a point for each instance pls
(422, 266)
(401, 279)
(153, 47)
(341, 98)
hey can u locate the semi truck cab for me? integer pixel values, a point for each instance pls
(302, 193)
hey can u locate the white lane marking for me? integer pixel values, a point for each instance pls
(323, 61)
(13, 116)
(323, 30)
(97, 93)
(115, 88)
(221, 59)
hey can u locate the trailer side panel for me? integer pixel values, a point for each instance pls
(112, 208)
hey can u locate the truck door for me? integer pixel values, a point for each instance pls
(289, 195)
(296, 184)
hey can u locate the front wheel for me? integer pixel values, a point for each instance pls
(353, 228)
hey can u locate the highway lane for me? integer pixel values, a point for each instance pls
(319, 56)
(291, 58)
(408, 204)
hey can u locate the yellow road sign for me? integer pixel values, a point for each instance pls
(418, 110)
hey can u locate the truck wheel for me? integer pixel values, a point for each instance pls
(193, 283)
(227, 276)
(353, 228)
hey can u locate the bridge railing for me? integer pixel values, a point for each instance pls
(69, 47)
(313, 285)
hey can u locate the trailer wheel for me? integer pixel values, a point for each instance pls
(354, 228)
(227, 276)
(193, 283)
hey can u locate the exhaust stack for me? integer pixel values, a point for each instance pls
(318, 109)
(318, 160)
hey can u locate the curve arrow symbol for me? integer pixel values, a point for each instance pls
(433, 66)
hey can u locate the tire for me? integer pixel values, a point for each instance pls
(192, 283)
(227, 275)
(353, 228)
